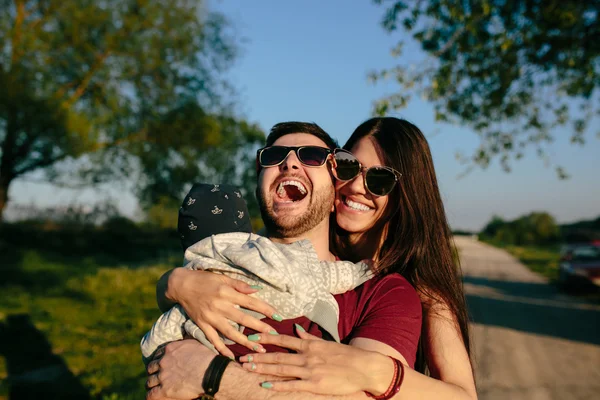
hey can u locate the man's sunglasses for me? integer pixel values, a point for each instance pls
(311, 156)
(379, 180)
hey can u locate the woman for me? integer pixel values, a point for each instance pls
(395, 216)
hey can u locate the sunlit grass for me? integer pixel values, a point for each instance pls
(542, 260)
(92, 315)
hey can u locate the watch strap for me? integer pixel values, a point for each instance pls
(213, 375)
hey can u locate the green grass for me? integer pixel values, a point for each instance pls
(88, 313)
(542, 260)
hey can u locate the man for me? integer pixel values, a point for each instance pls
(296, 200)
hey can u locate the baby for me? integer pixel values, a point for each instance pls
(215, 230)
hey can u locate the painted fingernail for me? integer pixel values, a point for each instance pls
(299, 328)
(253, 366)
(277, 317)
(250, 358)
(255, 347)
(254, 337)
(266, 385)
(273, 332)
(256, 287)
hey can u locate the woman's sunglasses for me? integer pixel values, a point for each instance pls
(311, 156)
(379, 180)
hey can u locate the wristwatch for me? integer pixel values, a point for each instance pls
(212, 377)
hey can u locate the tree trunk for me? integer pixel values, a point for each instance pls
(7, 160)
(3, 196)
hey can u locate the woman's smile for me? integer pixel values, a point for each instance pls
(355, 206)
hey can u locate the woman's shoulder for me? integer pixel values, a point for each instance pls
(394, 281)
(386, 309)
(397, 288)
(389, 290)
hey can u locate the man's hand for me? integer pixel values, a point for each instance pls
(177, 371)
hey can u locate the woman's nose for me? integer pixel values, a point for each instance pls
(357, 185)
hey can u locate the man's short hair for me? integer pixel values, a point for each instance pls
(286, 128)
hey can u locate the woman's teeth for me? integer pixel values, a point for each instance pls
(356, 206)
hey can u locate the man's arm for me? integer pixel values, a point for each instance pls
(165, 302)
(178, 374)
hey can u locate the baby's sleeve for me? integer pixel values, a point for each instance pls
(341, 276)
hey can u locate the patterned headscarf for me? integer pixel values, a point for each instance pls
(209, 210)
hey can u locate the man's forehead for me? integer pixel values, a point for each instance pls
(299, 139)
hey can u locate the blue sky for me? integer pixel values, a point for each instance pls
(309, 60)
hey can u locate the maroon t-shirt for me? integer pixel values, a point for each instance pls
(385, 309)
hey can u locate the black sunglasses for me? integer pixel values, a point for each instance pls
(311, 156)
(379, 180)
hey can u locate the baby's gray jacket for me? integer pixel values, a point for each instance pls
(294, 282)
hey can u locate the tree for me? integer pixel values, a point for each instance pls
(544, 227)
(114, 89)
(536, 228)
(511, 70)
(493, 226)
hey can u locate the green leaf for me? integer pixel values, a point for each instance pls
(493, 66)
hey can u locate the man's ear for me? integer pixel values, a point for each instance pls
(332, 163)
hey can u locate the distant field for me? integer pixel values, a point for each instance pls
(70, 325)
(543, 260)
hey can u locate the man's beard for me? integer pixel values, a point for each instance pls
(318, 209)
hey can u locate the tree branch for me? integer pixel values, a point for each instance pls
(64, 185)
(40, 164)
(16, 39)
(455, 36)
(131, 138)
(25, 147)
(85, 82)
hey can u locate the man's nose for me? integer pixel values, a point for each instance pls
(290, 162)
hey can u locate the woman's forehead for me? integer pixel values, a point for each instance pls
(366, 152)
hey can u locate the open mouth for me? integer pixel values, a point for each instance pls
(291, 191)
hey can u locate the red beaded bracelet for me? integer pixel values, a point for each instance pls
(394, 385)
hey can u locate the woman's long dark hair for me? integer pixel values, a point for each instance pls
(417, 242)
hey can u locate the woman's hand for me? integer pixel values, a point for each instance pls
(320, 366)
(213, 300)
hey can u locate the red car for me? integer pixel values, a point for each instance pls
(580, 265)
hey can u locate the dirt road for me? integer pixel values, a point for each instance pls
(530, 341)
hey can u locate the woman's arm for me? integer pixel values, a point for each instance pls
(449, 363)
(452, 376)
(324, 367)
(212, 300)
(388, 325)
